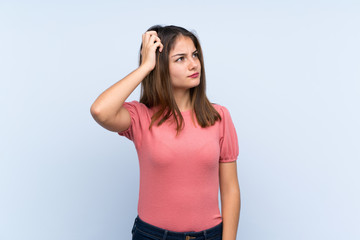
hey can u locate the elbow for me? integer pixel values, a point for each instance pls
(94, 110)
(96, 114)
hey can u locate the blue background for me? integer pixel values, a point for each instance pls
(288, 71)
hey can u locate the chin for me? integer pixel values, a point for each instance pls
(195, 83)
(192, 84)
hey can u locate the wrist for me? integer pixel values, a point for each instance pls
(145, 68)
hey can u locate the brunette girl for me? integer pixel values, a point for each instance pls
(187, 146)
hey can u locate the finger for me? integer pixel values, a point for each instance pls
(146, 38)
(151, 32)
(153, 39)
(149, 40)
(148, 34)
(155, 46)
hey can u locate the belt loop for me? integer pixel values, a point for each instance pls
(165, 235)
(133, 229)
(134, 226)
(189, 237)
(205, 235)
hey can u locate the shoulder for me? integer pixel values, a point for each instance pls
(222, 110)
(137, 108)
(137, 105)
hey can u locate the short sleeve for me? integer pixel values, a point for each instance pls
(138, 112)
(229, 147)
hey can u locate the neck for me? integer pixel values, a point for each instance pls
(182, 98)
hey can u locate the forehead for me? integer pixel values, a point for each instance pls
(183, 44)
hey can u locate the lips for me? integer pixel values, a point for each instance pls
(194, 75)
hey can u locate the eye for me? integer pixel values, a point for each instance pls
(196, 54)
(177, 60)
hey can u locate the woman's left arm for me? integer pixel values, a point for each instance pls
(230, 199)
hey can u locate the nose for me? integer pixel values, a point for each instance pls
(193, 63)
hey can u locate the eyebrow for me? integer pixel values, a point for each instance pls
(182, 54)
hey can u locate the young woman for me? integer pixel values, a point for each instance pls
(187, 146)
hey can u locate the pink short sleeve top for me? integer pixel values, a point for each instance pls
(179, 175)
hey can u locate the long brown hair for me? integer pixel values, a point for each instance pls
(156, 90)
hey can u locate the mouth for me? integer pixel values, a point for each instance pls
(195, 75)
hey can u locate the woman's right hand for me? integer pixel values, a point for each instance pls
(150, 42)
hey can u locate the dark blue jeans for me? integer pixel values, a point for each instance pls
(144, 231)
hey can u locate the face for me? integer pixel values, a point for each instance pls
(184, 62)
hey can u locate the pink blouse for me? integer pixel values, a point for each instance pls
(179, 175)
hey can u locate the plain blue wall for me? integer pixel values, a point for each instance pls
(288, 71)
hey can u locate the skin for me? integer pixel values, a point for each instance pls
(230, 199)
(107, 110)
(183, 62)
(180, 67)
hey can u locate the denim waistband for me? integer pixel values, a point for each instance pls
(171, 235)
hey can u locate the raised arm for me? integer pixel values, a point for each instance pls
(107, 109)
